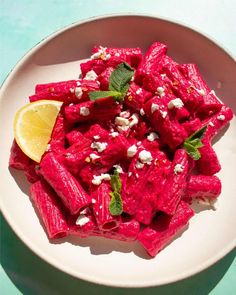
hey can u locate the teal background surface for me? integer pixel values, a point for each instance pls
(23, 23)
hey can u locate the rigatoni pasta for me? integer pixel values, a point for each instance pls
(130, 150)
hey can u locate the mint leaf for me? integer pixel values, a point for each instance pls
(116, 182)
(196, 143)
(192, 151)
(120, 78)
(118, 83)
(193, 143)
(115, 205)
(197, 134)
(94, 95)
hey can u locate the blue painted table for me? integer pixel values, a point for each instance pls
(23, 23)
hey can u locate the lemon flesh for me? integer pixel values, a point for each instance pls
(33, 125)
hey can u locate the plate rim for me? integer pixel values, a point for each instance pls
(37, 250)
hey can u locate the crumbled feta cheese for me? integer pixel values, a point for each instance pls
(114, 134)
(133, 120)
(178, 168)
(78, 92)
(132, 79)
(163, 114)
(84, 111)
(99, 146)
(122, 128)
(213, 203)
(72, 90)
(163, 76)
(96, 55)
(211, 124)
(93, 201)
(100, 207)
(145, 157)
(152, 136)
(91, 75)
(94, 156)
(201, 92)
(175, 103)
(121, 121)
(85, 211)
(97, 179)
(71, 104)
(142, 113)
(78, 83)
(82, 220)
(139, 165)
(118, 168)
(117, 54)
(137, 176)
(101, 54)
(139, 91)
(221, 117)
(129, 174)
(161, 91)
(125, 114)
(132, 150)
(139, 143)
(96, 137)
(154, 107)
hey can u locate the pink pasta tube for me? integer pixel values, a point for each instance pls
(210, 104)
(176, 182)
(192, 126)
(49, 209)
(70, 91)
(97, 132)
(96, 65)
(57, 142)
(31, 172)
(156, 236)
(203, 186)
(74, 136)
(114, 56)
(181, 86)
(63, 182)
(103, 58)
(74, 157)
(155, 179)
(101, 200)
(136, 97)
(82, 224)
(127, 231)
(18, 159)
(102, 110)
(104, 77)
(150, 61)
(209, 164)
(172, 133)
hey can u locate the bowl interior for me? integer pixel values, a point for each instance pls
(210, 234)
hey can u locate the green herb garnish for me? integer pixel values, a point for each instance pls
(118, 83)
(193, 143)
(115, 205)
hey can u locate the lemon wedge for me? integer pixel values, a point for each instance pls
(33, 125)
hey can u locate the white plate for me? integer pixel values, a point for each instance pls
(211, 234)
